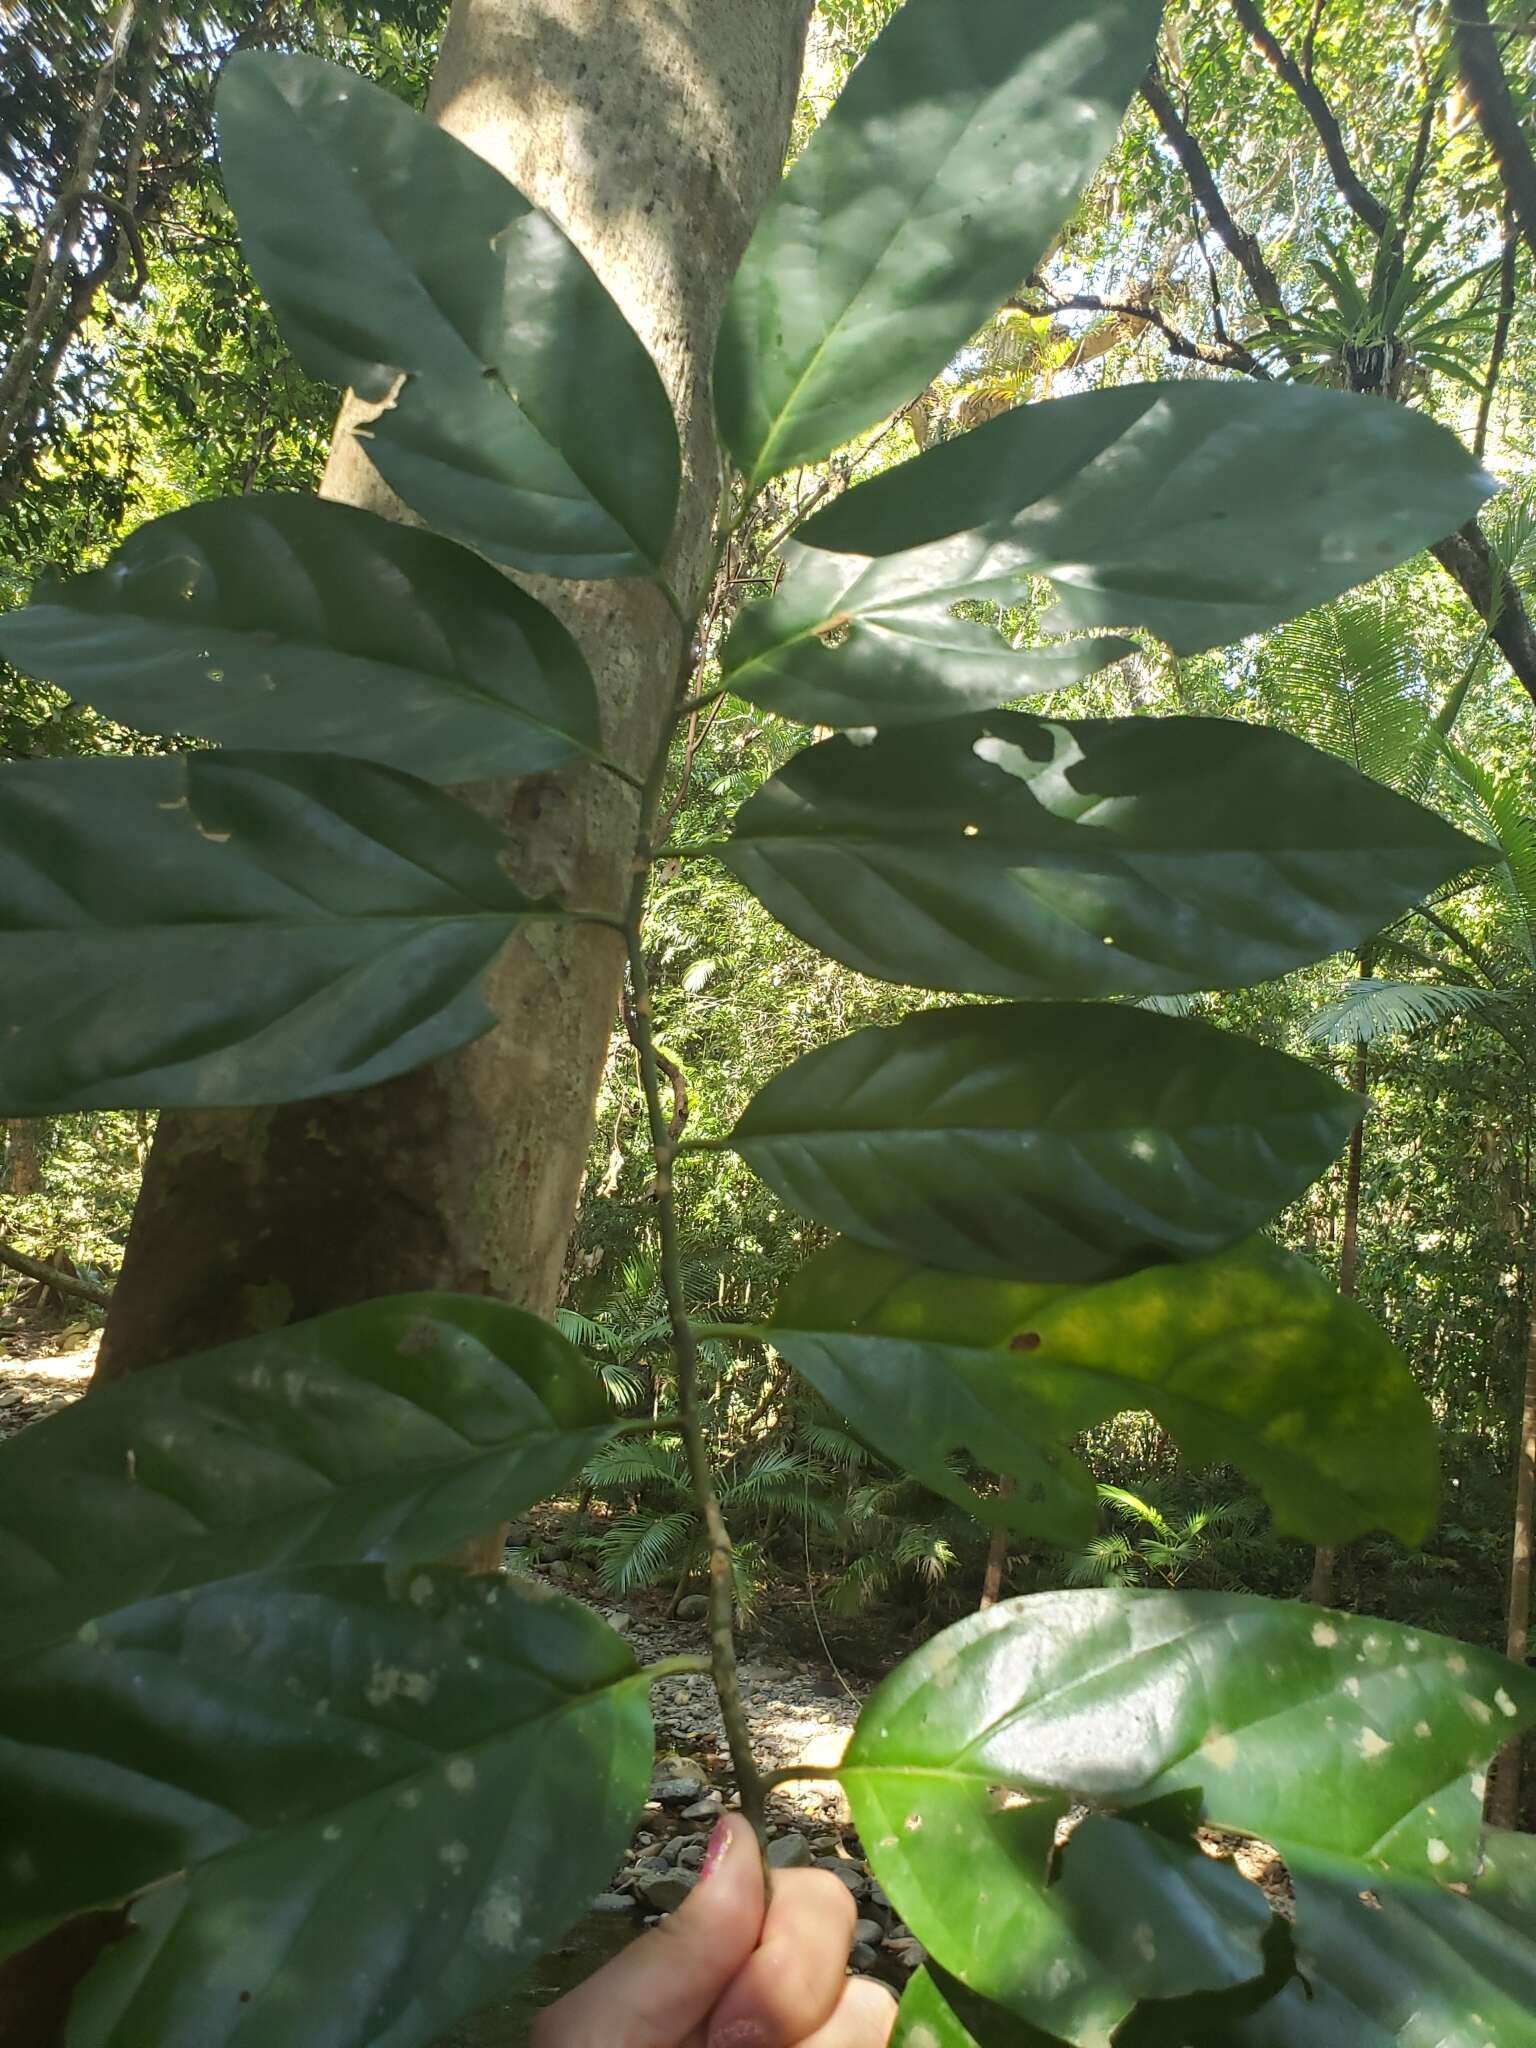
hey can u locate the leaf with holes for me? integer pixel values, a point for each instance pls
(803, 654)
(1200, 511)
(216, 928)
(1061, 1141)
(521, 413)
(928, 194)
(1069, 1942)
(395, 1429)
(1247, 1358)
(353, 1800)
(293, 622)
(1401, 1964)
(1225, 1702)
(1007, 855)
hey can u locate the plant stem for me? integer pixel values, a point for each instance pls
(673, 1667)
(722, 1639)
(801, 1774)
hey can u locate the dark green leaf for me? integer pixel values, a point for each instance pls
(361, 1799)
(1200, 511)
(1327, 1735)
(237, 928)
(391, 1430)
(292, 622)
(1066, 1943)
(937, 2011)
(928, 194)
(1248, 1358)
(1060, 1141)
(1007, 855)
(805, 655)
(531, 422)
(1399, 1964)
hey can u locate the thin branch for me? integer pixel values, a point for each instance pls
(1242, 247)
(684, 1342)
(1228, 355)
(1493, 595)
(677, 1080)
(1357, 195)
(1482, 76)
(50, 1276)
(1309, 40)
(1507, 261)
(50, 266)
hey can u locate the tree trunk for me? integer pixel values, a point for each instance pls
(23, 1155)
(652, 131)
(997, 1559)
(1325, 1559)
(1504, 1804)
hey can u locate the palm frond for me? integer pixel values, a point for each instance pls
(624, 1383)
(584, 1330)
(1342, 678)
(638, 1549)
(1500, 805)
(773, 1473)
(1104, 1563)
(834, 1446)
(1372, 1009)
(623, 1467)
(1138, 1509)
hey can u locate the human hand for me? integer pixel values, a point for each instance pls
(733, 1968)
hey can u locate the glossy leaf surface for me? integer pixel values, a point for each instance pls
(216, 928)
(1399, 1964)
(808, 654)
(1200, 511)
(1067, 1943)
(1230, 1701)
(929, 193)
(395, 1429)
(1008, 855)
(1247, 1358)
(934, 2011)
(1061, 1141)
(294, 622)
(363, 1798)
(531, 422)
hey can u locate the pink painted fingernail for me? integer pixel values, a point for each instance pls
(714, 1854)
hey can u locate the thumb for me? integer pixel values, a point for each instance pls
(665, 1984)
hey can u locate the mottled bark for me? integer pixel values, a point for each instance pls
(653, 131)
(23, 1173)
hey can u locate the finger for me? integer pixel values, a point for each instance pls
(865, 2017)
(791, 1986)
(664, 1984)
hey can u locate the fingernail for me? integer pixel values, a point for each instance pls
(714, 1854)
